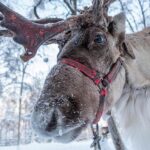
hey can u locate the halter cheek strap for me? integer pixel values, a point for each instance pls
(102, 83)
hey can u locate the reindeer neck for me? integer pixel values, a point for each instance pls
(138, 69)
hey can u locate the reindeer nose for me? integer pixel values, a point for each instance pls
(47, 123)
(49, 118)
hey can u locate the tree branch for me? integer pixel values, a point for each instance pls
(35, 9)
(122, 7)
(6, 33)
(75, 5)
(132, 18)
(143, 14)
(73, 12)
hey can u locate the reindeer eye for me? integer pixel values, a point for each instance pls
(100, 39)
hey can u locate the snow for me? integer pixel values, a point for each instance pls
(85, 145)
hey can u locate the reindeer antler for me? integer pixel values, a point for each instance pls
(31, 35)
(100, 11)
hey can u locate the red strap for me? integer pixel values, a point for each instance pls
(92, 74)
(114, 71)
(82, 68)
(101, 106)
(98, 115)
(104, 92)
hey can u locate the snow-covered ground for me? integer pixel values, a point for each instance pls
(107, 145)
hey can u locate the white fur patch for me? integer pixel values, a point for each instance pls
(133, 114)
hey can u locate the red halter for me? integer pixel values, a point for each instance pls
(102, 83)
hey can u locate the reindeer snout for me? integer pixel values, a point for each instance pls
(49, 119)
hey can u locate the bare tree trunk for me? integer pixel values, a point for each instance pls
(20, 102)
(115, 134)
(142, 12)
(75, 6)
(72, 5)
(123, 9)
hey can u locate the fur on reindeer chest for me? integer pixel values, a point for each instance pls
(133, 117)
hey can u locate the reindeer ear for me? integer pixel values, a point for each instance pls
(117, 25)
(127, 48)
(117, 29)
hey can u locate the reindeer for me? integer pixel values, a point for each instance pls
(99, 68)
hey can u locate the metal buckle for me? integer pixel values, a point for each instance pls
(105, 82)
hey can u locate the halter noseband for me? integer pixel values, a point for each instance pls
(102, 83)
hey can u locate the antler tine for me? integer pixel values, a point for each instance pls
(96, 5)
(97, 8)
(7, 33)
(100, 10)
(31, 35)
(47, 20)
(107, 3)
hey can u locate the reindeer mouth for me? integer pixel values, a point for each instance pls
(55, 127)
(63, 134)
(69, 134)
(68, 137)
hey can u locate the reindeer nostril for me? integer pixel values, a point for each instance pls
(1, 17)
(53, 122)
(71, 99)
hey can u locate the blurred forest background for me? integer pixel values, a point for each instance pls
(21, 83)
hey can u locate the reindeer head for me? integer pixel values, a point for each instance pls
(69, 100)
